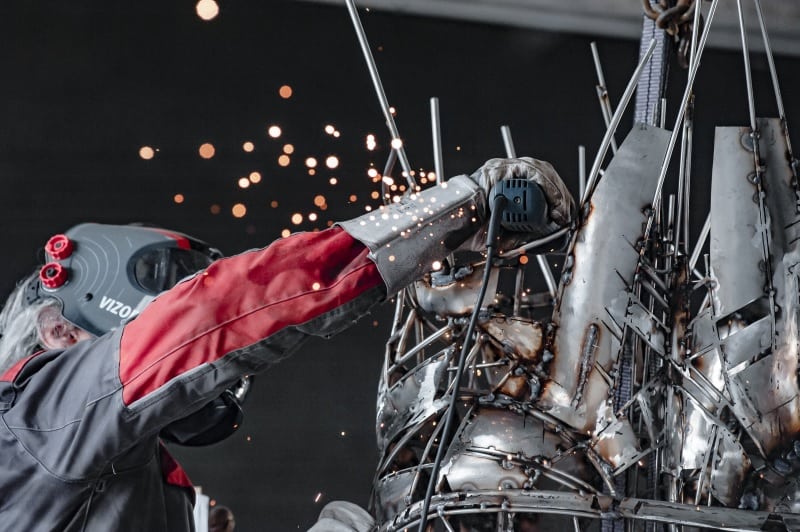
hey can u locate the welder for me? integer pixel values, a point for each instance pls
(128, 332)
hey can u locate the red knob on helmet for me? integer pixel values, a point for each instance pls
(59, 247)
(52, 275)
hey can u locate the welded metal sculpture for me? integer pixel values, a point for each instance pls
(647, 392)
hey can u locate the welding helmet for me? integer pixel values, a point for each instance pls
(104, 275)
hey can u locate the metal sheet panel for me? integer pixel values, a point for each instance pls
(736, 247)
(603, 257)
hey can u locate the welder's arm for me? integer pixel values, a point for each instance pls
(238, 317)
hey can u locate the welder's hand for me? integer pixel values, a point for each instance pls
(560, 205)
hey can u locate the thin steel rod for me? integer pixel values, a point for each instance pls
(701, 241)
(681, 190)
(689, 124)
(662, 119)
(581, 170)
(626, 96)
(536, 243)
(602, 92)
(772, 70)
(776, 87)
(384, 103)
(693, 50)
(540, 259)
(747, 72)
(548, 275)
(508, 142)
(518, 288)
(679, 119)
(436, 131)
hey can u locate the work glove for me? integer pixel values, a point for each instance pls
(560, 205)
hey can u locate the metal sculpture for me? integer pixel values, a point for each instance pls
(642, 392)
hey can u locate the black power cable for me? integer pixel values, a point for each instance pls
(499, 203)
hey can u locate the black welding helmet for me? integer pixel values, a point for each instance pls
(105, 274)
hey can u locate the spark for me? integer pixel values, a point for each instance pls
(178, 198)
(206, 150)
(244, 182)
(373, 173)
(336, 134)
(319, 200)
(388, 180)
(436, 265)
(318, 497)
(285, 233)
(215, 209)
(329, 129)
(146, 153)
(285, 92)
(255, 177)
(288, 149)
(343, 433)
(311, 171)
(315, 286)
(248, 146)
(311, 162)
(333, 181)
(239, 210)
(397, 143)
(353, 198)
(297, 218)
(332, 162)
(274, 131)
(273, 204)
(523, 259)
(284, 160)
(393, 111)
(312, 217)
(375, 194)
(371, 144)
(207, 9)
(391, 258)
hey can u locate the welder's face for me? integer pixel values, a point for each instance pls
(57, 333)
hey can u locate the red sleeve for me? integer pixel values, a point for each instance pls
(238, 302)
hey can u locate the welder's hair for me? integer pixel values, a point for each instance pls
(19, 335)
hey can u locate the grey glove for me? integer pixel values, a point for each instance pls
(343, 516)
(406, 239)
(561, 206)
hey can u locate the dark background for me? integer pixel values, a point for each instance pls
(85, 85)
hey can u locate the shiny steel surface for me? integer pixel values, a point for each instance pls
(590, 315)
(658, 392)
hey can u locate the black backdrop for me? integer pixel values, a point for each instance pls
(85, 85)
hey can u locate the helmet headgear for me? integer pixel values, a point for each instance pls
(105, 274)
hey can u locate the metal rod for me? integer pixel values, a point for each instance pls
(626, 96)
(747, 72)
(772, 70)
(508, 142)
(548, 275)
(776, 87)
(384, 103)
(436, 131)
(679, 119)
(662, 120)
(602, 93)
(536, 243)
(689, 125)
(698, 9)
(681, 190)
(581, 170)
(518, 288)
(701, 241)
